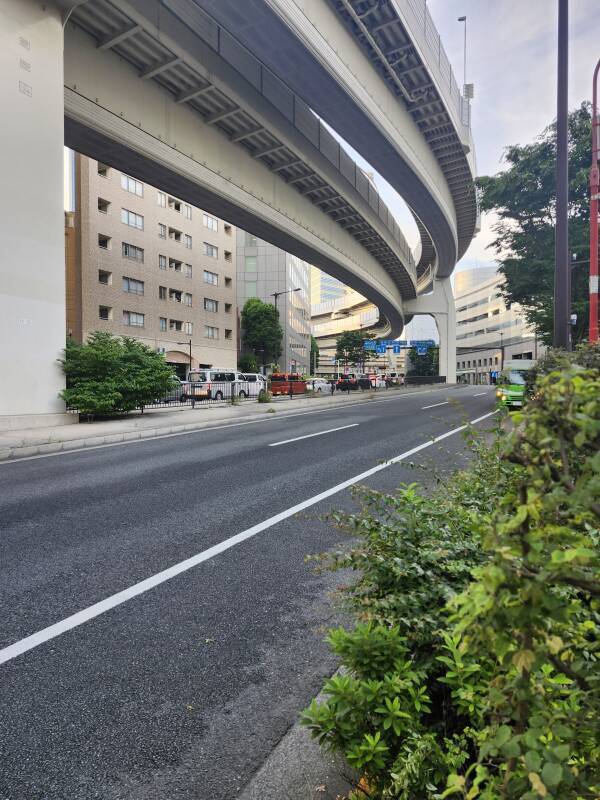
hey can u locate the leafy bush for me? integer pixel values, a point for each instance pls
(109, 373)
(474, 669)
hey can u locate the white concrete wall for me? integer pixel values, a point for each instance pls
(32, 262)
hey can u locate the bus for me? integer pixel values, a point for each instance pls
(513, 382)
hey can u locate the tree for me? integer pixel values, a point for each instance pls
(109, 373)
(314, 355)
(261, 330)
(248, 363)
(427, 364)
(523, 197)
(350, 348)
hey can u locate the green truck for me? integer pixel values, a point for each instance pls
(513, 382)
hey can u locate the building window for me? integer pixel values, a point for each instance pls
(211, 277)
(228, 308)
(175, 325)
(175, 295)
(496, 360)
(174, 204)
(188, 241)
(162, 292)
(105, 277)
(228, 283)
(228, 229)
(227, 255)
(103, 241)
(175, 265)
(105, 313)
(210, 250)
(250, 240)
(228, 333)
(187, 211)
(132, 219)
(131, 185)
(174, 234)
(211, 305)
(133, 319)
(187, 299)
(161, 199)
(103, 170)
(103, 205)
(132, 252)
(133, 286)
(188, 327)
(188, 270)
(162, 262)
(210, 222)
(162, 231)
(162, 323)
(251, 289)
(211, 332)
(251, 264)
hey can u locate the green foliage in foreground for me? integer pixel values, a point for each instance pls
(474, 668)
(109, 374)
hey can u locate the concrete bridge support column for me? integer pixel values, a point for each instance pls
(439, 304)
(32, 266)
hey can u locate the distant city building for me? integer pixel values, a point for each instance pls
(487, 332)
(143, 263)
(324, 287)
(264, 271)
(350, 312)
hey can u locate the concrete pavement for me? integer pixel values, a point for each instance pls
(184, 689)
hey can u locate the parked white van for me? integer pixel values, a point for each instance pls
(216, 384)
(256, 382)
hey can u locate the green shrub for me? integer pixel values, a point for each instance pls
(109, 373)
(265, 396)
(474, 669)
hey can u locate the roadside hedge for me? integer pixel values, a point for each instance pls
(473, 668)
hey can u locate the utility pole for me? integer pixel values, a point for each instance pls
(562, 267)
(464, 19)
(501, 352)
(594, 197)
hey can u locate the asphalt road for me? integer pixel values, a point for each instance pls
(182, 691)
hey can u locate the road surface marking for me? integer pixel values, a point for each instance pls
(435, 405)
(67, 624)
(73, 621)
(310, 435)
(272, 418)
(480, 394)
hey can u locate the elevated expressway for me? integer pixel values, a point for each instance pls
(222, 108)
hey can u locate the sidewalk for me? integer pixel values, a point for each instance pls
(24, 443)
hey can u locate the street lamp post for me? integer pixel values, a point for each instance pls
(464, 19)
(562, 268)
(501, 352)
(278, 294)
(594, 197)
(190, 346)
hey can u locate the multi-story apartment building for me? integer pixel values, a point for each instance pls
(142, 263)
(487, 332)
(277, 277)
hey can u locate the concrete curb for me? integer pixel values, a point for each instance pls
(46, 447)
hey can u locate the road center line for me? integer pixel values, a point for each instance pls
(435, 405)
(480, 394)
(310, 435)
(95, 610)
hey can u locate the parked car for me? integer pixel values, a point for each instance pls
(364, 382)
(347, 382)
(318, 385)
(216, 384)
(175, 394)
(287, 383)
(256, 383)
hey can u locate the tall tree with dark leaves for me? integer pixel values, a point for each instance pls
(523, 197)
(261, 330)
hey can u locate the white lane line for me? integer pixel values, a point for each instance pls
(480, 394)
(310, 435)
(271, 418)
(435, 405)
(67, 624)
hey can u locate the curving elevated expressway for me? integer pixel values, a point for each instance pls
(221, 107)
